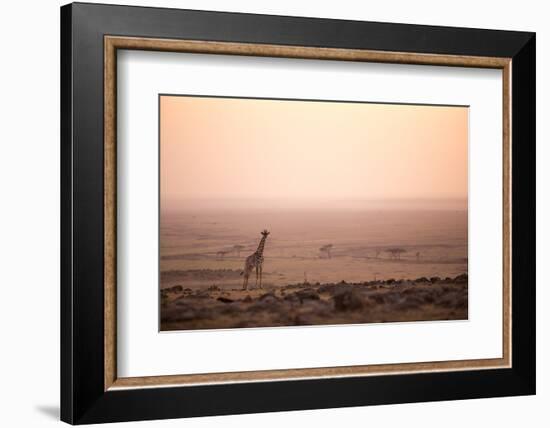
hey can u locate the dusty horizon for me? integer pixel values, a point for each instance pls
(281, 204)
(309, 154)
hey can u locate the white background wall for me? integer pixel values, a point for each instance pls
(29, 218)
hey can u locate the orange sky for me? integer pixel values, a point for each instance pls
(223, 148)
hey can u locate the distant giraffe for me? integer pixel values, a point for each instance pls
(255, 261)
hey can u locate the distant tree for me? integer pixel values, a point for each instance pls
(238, 248)
(377, 252)
(395, 253)
(417, 255)
(325, 249)
(221, 254)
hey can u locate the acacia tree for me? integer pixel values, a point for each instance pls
(221, 254)
(395, 253)
(326, 250)
(238, 248)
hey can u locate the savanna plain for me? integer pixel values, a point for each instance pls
(321, 266)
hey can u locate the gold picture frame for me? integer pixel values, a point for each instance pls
(114, 43)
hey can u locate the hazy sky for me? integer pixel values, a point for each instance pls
(222, 148)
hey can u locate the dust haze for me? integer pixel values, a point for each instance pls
(366, 207)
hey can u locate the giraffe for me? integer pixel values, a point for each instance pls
(255, 260)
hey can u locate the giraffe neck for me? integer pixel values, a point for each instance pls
(260, 249)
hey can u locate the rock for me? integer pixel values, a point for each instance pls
(182, 313)
(409, 302)
(462, 302)
(349, 300)
(461, 279)
(428, 298)
(271, 306)
(268, 298)
(228, 309)
(198, 294)
(327, 288)
(225, 300)
(293, 298)
(301, 296)
(318, 308)
(393, 298)
(448, 301)
(334, 289)
(378, 298)
(303, 319)
(307, 294)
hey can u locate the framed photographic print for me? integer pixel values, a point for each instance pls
(265, 213)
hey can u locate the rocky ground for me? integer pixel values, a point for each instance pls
(423, 299)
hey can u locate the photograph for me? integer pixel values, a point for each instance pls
(285, 212)
(267, 210)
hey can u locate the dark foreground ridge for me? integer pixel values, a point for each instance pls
(422, 299)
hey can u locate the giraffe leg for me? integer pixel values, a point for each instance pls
(256, 285)
(260, 269)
